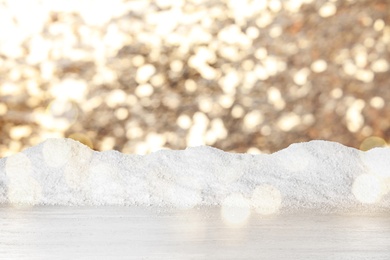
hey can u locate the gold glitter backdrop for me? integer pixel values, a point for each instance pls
(239, 75)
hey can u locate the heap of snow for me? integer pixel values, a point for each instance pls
(313, 175)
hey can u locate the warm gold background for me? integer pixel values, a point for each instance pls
(244, 76)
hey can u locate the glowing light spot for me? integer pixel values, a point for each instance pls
(144, 73)
(300, 78)
(361, 58)
(205, 104)
(184, 121)
(274, 65)
(327, 10)
(25, 191)
(349, 68)
(288, 121)
(155, 141)
(319, 66)
(63, 109)
(252, 120)
(266, 130)
(261, 53)
(266, 199)
(379, 25)
(107, 143)
(226, 101)
(19, 132)
(216, 132)
(354, 117)
(56, 152)
(138, 61)
(275, 5)
(17, 165)
(218, 127)
(70, 89)
(377, 161)
(377, 102)
(294, 5)
(261, 73)
(367, 189)
(265, 19)
(77, 170)
(176, 65)
(230, 82)
(3, 109)
(364, 75)
(195, 136)
(121, 113)
(59, 115)
(252, 32)
(133, 131)
(22, 188)
(158, 80)
(101, 13)
(82, 138)
(372, 142)
(237, 111)
(116, 97)
(235, 210)
(253, 150)
(275, 31)
(380, 66)
(275, 98)
(190, 85)
(144, 90)
(336, 93)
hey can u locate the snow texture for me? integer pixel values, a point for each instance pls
(314, 175)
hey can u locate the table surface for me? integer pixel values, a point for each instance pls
(54, 232)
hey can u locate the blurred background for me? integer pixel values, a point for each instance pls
(240, 75)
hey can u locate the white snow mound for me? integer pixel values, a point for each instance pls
(313, 175)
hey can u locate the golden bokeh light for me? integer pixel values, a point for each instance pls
(266, 199)
(372, 142)
(82, 138)
(235, 210)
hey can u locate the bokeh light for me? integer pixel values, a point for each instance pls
(367, 188)
(23, 189)
(372, 142)
(235, 210)
(56, 152)
(266, 199)
(76, 171)
(82, 138)
(377, 162)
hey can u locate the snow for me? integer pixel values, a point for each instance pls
(318, 175)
